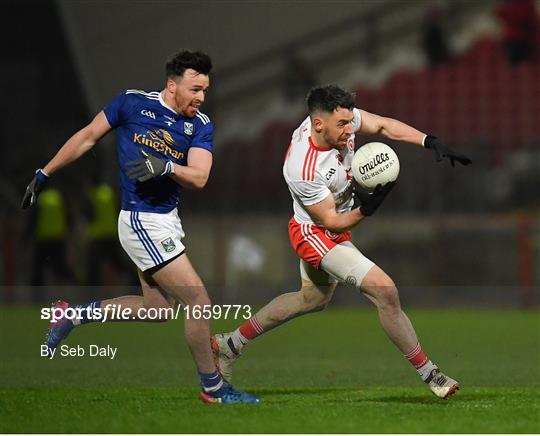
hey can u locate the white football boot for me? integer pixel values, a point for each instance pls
(225, 354)
(441, 385)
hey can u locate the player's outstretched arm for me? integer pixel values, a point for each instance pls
(393, 129)
(196, 173)
(73, 149)
(79, 143)
(373, 124)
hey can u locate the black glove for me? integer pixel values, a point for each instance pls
(34, 188)
(369, 202)
(441, 150)
(149, 167)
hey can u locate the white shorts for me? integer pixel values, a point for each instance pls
(344, 263)
(150, 239)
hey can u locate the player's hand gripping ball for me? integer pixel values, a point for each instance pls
(375, 164)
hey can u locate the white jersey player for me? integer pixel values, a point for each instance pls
(312, 174)
(326, 205)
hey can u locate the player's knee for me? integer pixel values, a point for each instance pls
(384, 290)
(390, 298)
(322, 305)
(156, 303)
(313, 300)
(195, 296)
(159, 307)
(387, 296)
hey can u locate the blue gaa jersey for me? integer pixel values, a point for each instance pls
(144, 121)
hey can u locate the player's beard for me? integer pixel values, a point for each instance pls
(338, 143)
(187, 108)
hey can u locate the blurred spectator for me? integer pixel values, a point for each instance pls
(50, 230)
(105, 259)
(101, 235)
(299, 78)
(434, 41)
(519, 19)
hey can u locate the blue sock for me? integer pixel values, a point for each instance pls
(211, 383)
(88, 313)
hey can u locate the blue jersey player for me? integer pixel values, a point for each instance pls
(164, 144)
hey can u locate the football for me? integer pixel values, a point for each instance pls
(374, 163)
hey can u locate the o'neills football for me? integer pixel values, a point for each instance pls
(373, 164)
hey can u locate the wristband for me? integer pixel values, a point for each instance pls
(41, 175)
(428, 140)
(169, 168)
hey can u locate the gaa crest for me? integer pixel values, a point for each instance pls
(188, 128)
(168, 245)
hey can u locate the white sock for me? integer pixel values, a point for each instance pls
(425, 370)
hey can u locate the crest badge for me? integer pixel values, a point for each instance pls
(188, 128)
(168, 245)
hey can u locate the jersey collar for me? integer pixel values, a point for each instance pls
(162, 101)
(312, 145)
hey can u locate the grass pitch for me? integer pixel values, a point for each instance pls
(331, 372)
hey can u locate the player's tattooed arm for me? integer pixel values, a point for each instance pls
(325, 213)
(196, 173)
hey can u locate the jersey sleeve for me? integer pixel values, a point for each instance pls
(309, 192)
(357, 119)
(115, 111)
(204, 137)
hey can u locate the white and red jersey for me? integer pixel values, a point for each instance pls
(312, 173)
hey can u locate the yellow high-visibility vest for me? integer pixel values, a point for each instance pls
(105, 222)
(51, 215)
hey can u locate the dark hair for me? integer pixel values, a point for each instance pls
(328, 98)
(184, 59)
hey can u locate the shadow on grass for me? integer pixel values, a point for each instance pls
(383, 395)
(408, 399)
(299, 391)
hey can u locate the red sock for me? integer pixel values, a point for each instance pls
(251, 329)
(416, 356)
